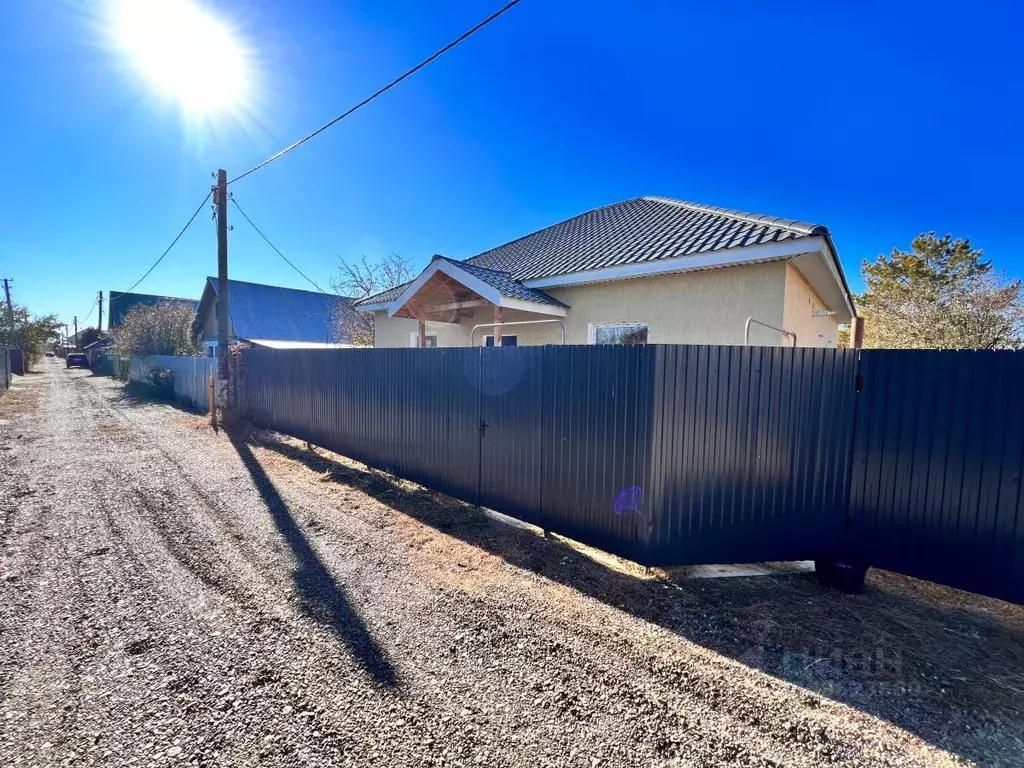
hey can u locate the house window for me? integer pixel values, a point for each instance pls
(618, 333)
(506, 341)
(414, 339)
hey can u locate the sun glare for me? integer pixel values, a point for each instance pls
(183, 52)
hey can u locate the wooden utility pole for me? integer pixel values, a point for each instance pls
(76, 331)
(223, 321)
(99, 326)
(10, 307)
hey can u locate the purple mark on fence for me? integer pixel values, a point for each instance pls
(628, 500)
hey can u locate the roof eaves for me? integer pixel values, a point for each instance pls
(376, 297)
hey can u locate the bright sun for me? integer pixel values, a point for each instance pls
(183, 52)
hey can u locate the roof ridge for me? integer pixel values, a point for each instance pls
(466, 262)
(469, 259)
(801, 227)
(282, 288)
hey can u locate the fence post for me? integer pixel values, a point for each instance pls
(213, 401)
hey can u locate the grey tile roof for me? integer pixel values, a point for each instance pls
(384, 297)
(637, 231)
(631, 232)
(505, 284)
(283, 314)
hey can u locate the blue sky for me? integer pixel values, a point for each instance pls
(878, 120)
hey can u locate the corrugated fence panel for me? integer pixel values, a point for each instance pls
(5, 369)
(191, 376)
(597, 446)
(679, 455)
(511, 446)
(406, 411)
(937, 464)
(751, 448)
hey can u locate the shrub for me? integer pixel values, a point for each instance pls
(121, 368)
(159, 329)
(162, 382)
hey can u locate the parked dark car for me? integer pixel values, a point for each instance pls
(76, 360)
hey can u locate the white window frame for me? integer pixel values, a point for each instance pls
(592, 329)
(414, 338)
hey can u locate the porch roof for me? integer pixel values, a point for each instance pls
(446, 287)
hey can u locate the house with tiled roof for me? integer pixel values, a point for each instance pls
(645, 271)
(274, 317)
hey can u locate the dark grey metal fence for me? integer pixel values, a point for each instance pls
(674, 455)
(937, 464)
(751, 452)
(662, 454)
(17, 361)
(5, 369)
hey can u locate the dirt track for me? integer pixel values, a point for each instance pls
(172, 596)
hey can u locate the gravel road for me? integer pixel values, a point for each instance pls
(169, 596)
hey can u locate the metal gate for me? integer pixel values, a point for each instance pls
(937, 464)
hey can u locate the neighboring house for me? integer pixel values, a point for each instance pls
(268, 316)
(97, 349)
(650, 270)
(119, 304)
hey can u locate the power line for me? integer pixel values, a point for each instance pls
(173, 243)
(90, 310)
(388, 87)
(276, 250)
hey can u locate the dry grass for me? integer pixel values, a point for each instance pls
(18, 399)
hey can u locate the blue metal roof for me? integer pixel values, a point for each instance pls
(120, 303)
(284, 314)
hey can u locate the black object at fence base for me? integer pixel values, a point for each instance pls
(844, 576)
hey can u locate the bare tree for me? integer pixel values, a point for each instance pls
(363, 278)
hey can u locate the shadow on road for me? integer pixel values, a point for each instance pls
(323, 598)
(904, 651)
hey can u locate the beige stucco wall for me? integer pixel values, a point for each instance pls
(801, 302)
(395, 331)
(708, 307)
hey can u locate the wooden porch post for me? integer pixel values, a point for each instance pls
(499, 318)
(857, 333)
(423, 334)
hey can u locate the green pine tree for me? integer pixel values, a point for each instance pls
(941, 294)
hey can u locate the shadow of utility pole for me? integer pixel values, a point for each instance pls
(322, 597)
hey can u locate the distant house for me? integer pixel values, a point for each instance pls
(120, 303)
(649, 270)
(97, 349)
(269, 316)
